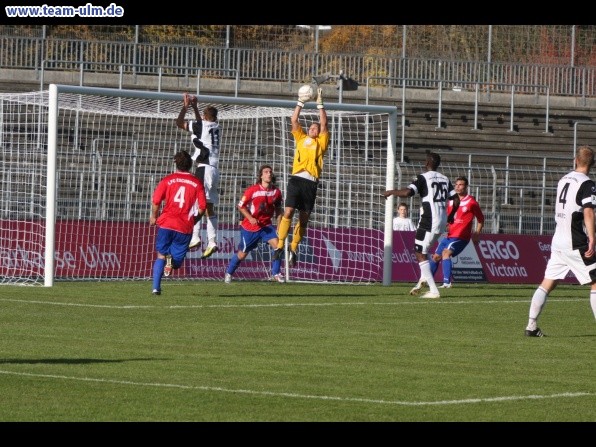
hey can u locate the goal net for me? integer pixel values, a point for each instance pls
(79, 166)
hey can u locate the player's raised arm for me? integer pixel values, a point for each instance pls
(194, 104)
(404, 192)
(322, 112)
(303, 96)
(180, 121)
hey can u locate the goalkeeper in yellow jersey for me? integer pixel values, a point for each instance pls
(304, 181)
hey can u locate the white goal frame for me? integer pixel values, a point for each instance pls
(53, 128)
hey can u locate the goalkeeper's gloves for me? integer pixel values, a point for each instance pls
(302, 99)
(320, 104)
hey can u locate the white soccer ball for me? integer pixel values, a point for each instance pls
(306, 93)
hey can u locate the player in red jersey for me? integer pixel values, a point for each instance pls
(459, 233)
(184, 203)
(259, 203)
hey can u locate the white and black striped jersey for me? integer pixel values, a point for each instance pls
(434, 189)
(208, 134)
(575, 191)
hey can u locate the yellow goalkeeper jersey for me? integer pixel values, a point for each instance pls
(309, 152)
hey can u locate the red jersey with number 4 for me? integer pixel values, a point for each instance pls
(183, 194)
(464, 217)
(261, 204)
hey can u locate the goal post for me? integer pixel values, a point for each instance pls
(80, 165)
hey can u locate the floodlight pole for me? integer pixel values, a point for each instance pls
(340, 85)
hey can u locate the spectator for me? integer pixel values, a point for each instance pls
(402, 221)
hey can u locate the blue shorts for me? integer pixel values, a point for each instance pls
(250, 239)
(455, 244)
(174, 243)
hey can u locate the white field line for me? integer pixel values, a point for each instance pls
(287, 304)
(564, 395)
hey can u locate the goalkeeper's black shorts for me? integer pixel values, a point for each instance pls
(301, 193)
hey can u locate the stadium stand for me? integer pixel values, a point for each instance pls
(511, 133)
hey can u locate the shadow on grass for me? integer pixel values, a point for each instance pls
(69, 361)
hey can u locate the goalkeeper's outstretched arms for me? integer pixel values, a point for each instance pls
(297, 110)
(322, 112)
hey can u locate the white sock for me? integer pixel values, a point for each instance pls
(212, 229)
(196, 231)
(593, 301)
(536, 306)
(426, 275)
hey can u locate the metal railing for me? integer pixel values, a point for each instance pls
(124, 68)
(17, 52)
(456, 86)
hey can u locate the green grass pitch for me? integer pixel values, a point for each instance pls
(295, 352)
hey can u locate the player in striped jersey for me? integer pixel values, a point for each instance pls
(434, 189)
(572, 246)
(205, 137)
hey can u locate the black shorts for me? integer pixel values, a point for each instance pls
(301, 193)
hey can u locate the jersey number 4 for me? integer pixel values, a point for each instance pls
(563, 195)
(180, 198)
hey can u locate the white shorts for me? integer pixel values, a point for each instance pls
(561, 262)
(425, 240)
(210, 177)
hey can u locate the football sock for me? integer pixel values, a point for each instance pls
(447, 265)
(593, 301)
(212, 229)
(282, 230)
(299, 231)
(426, 274)
(536, 306)
(233, 265)
(276, 266)
(196, 230)
(158, 266)
(434, 266)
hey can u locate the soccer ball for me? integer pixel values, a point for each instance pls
(306, 93)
